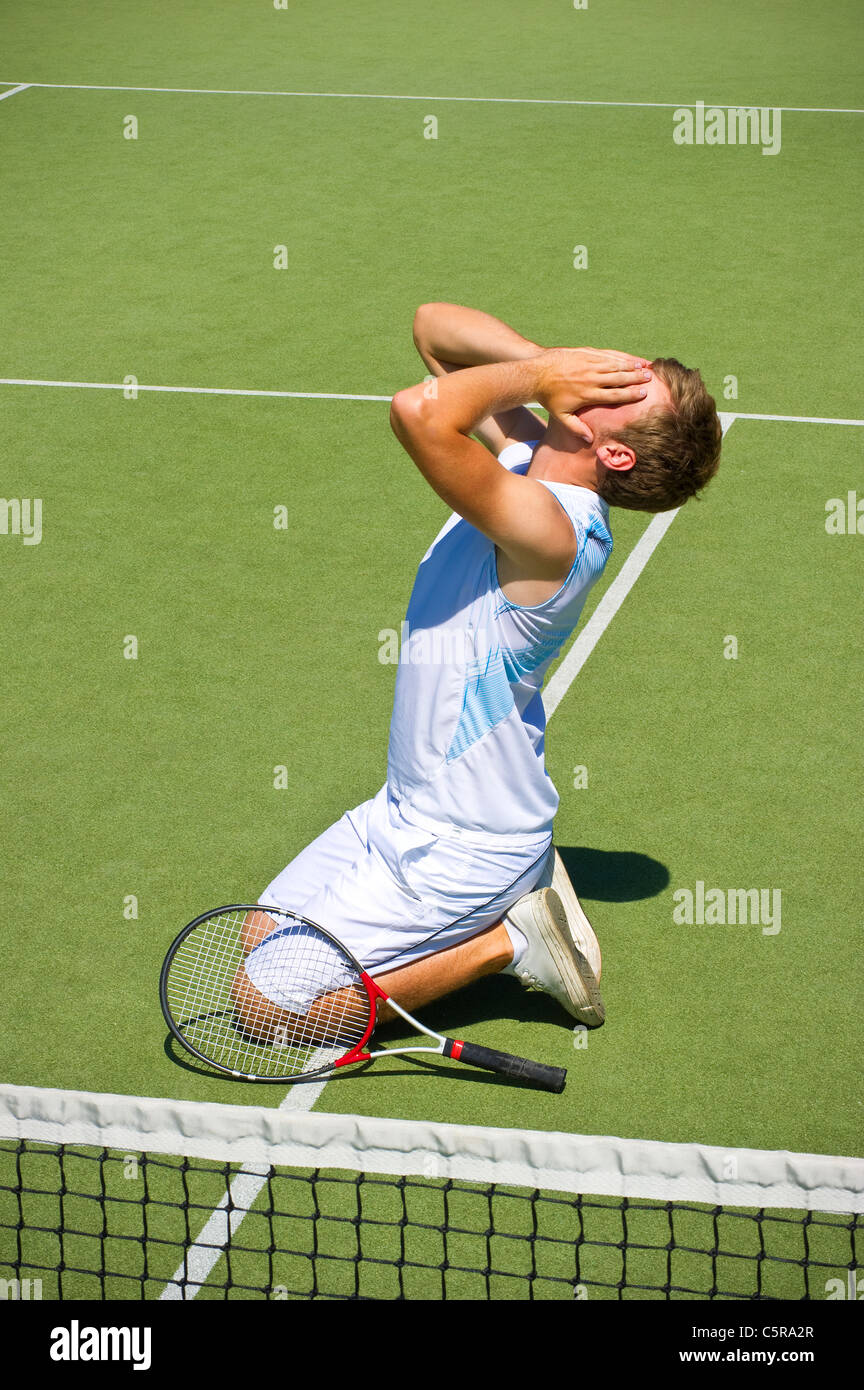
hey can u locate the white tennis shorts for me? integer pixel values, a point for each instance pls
(393, 892)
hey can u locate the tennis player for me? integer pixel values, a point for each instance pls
(449, 873)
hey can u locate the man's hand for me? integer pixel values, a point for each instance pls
(569, 379)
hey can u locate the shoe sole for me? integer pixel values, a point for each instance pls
(555, 931)
(580, 928)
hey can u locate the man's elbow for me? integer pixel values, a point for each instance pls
(422, 323)
(405, 410)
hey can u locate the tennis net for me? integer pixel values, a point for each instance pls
(110, 1197)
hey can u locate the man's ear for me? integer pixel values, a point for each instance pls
(614, 455)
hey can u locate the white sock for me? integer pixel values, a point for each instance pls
(519, 942)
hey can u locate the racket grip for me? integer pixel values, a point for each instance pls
(536, 1073)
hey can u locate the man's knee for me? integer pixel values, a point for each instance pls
(256, 925)
(255, 1014)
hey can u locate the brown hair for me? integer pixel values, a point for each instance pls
(677, 448)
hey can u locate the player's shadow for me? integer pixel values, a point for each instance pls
(613, 875)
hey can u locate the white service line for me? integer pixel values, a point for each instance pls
(220, 1226)
(22, 87)
(187, 390)
(799, 419)
(726, 418)
(409, 96)
(560, 682)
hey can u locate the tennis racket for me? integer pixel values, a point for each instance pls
(266, 995)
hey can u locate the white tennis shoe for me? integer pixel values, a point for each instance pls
(552, 962)
(555, 876)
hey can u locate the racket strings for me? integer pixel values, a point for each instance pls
(290, 1005)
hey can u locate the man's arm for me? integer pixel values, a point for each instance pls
(449, 337)
(518, 513)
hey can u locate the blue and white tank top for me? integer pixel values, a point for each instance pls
(466, 751)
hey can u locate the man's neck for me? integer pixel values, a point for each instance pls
(562, 458)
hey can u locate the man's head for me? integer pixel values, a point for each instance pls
(654, 454)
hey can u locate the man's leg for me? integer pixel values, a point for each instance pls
(413, 933)
(549, 960)
(412, 985)
(423, 981)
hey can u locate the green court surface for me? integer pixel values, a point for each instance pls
(150, 781)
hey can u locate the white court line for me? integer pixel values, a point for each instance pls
(799, 419)
(188, 390)
(404, 96)
(605, 611)
(242, 1194)
(340, 396)
(22, 87)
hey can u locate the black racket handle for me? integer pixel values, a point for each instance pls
(546, 1078)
